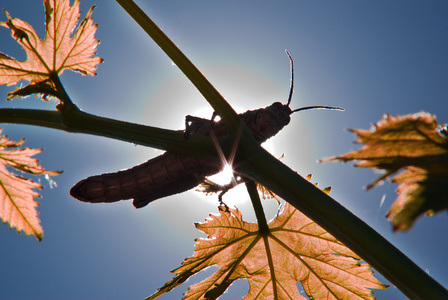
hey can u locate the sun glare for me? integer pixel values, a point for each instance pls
(224, 177)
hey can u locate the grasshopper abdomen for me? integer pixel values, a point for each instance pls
(162, 176)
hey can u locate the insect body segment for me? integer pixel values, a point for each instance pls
(162, 176)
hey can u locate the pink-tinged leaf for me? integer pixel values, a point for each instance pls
(294, 250)
(17, 205)
(66, 45)
(416, 145)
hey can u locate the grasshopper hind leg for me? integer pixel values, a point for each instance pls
(185, 183)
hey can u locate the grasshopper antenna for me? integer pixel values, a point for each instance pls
(317, 107)
(291, 91)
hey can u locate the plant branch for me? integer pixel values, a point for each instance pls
(219, 104)
(81, 122)
(263, 168)
(258, 207)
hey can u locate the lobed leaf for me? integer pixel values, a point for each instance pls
(66, 45)
(17, 205)
(416, 145)
(294, 250)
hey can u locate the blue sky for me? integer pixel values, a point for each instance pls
(370, 57)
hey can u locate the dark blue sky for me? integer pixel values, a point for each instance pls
(370, 57)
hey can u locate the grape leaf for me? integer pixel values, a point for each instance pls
(17, 205)
(415, 145)
(65, 47)
(294, 250)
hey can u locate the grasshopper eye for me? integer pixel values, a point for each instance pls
(277, 104)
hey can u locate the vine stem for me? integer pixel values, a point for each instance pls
(258, 207)
(81, 122)
(261, 167)
(216, 100)
(254, 163)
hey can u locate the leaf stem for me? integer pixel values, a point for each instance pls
(258, 207)
(68, 104)
(263, 228)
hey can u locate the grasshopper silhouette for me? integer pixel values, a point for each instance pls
(173, 173)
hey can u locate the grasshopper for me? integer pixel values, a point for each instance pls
(173, 173)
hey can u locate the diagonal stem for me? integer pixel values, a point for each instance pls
(223, 109)
(263, 168)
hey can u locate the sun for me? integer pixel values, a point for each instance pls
(224, 177)
(238, 195)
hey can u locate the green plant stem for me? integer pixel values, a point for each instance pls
(81, 122)
(263, 168)
(258, 207)
(219, 104)
(263, 228)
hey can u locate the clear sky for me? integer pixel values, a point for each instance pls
(370, 57)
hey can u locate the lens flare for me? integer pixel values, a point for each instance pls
(224, 177)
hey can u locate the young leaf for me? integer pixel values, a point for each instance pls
(17, 205)
(294, 250)
(65, 46)
(412, 143)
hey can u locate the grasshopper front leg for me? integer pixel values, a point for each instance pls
(195, 125)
